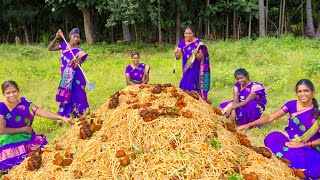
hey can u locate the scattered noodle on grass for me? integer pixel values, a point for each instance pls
(168, 147)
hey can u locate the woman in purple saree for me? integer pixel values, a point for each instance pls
(137, 73)
(249, 100)
(17, 138)
(195, 64)
(71, 91)
(301, 143)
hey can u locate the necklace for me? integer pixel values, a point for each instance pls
(11, 107)
(300, 106)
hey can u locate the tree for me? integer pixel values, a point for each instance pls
(310, 27)
(20, 15)
(86, 8)
(262, 22)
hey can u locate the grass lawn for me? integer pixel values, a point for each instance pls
(277, 63)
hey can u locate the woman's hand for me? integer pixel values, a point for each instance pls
(228, 112)
(294, 144)
(233, 116)
(199, 54)
(177, 53)
(59, 34)
(27, 129)
(77, 63)
(67, 120)
(243, 128)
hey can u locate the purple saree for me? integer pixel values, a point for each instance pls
(196, 73)
(15, 147)
(302, 127)
(71, 91)
(137, 75)
(253, 110)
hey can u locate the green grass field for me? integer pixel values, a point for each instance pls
(277, 63)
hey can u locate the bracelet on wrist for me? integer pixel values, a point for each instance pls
(308, 144)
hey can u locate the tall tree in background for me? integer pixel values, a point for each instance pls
(155, 20)
(317, 4)
(127, 12)
(262, 20)
(86, 8)
(159, 21)
(310, 27)
(20, 15)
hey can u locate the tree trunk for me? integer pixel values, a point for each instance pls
(318, 25)
(302, 22)
(283, 22)
(7, 37)
(249, 33)
(266, 21)
(208, 21)
(159, 24)
(239, 28)
(170, 39)
(88, 25)
(112, 34)
(178, 25)
(126, 32)
(26, 34)
(66, 23)
(136, 32)
(227, 21)
(310, 27)
(199, 29)
(32, 33)
(280, 18)
(234, 25)
(262, 26)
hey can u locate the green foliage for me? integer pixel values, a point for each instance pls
(235, 176)
(215, 143)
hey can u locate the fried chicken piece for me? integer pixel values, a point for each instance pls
(251, 176)
(217, 111)
(298, 173)
(120, 153)
(187, 114)
(85, 132)
(263, 151)
(125, 161)
(174, 143)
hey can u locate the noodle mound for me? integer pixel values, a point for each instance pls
(153, 132)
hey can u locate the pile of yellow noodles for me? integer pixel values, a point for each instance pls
(193, 158)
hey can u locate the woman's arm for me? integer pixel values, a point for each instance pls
(5, 130)
(263, 120)
(128, 79)
(251, 97)
(52, 46)
(231, 111)
(297, 144)
(52, 116)
(146, 78)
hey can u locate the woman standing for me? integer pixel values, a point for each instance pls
(17, 138)
(195, 64)
(301, 143)
(249, 99)
(71, 91)
(136, 72)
